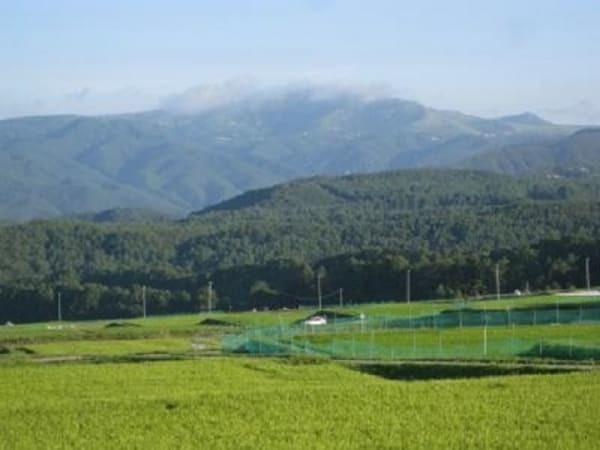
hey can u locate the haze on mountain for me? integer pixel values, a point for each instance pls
(178, 160)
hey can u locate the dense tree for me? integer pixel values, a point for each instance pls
(264, 250)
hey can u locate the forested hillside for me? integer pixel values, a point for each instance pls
(264, 247)
(575, 155)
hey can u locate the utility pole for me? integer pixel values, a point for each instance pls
(587, 273)
(144, 300)
(319, 291)
(497, 281)
(341, 298)
(408, 286)
(59, 307)
(210, 283)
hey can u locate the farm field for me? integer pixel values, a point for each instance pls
(172, 381)
(197, 333)
(573, 341)
(269, 403)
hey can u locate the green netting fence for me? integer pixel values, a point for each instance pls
(569, 332)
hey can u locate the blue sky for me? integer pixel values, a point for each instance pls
(489, 58)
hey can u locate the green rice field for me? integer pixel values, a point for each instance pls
(235, 403)
(174, 381)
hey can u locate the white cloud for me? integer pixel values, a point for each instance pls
(213, 95)
(210, 96)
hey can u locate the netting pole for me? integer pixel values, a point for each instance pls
(508, 317)
(460, 319)
(571, 347)
(534, 318)
(485, 343)
(463, 345)
(260, 345)
(304, 340)
(541, 348)
(512, 341)
(580, 314)
(371, 346)
(414, 343)
(440, 344)
(557, 318)
(485, 340)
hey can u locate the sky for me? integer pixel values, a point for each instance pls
(489, 58)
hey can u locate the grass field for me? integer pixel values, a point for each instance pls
(188, 333)
(261, 403)
(99, 384)
(573, 341)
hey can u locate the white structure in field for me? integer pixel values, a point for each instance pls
(316, 320)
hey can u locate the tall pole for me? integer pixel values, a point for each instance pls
(59, 307)
(319, 291)
(210, 283)
(144, 300)
(497, 281)
(408, 286)
(341, 298)
(587, 273)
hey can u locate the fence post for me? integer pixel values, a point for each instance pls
(512, 341)
(571, 348)
(485, 340)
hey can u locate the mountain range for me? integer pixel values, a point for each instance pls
(177, 163)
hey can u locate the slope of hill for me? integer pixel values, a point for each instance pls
(451, 226)
(52, 166)
(573, 155)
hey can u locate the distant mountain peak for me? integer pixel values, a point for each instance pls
(526, 118)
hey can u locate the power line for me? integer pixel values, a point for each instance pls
(319, 291)
(587, 273)
(59, 307)
(497, 281)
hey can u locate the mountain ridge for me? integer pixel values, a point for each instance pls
(177, 163)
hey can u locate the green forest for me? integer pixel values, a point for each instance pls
(264, 249)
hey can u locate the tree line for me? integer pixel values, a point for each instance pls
(263, 250)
